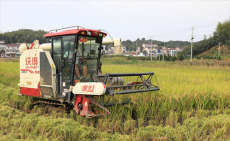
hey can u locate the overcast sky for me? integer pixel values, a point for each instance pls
(124, 19)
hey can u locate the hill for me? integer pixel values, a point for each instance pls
(21, 35)
(220, 35)
(224, 51)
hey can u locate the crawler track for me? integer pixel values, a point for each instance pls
(52, 105)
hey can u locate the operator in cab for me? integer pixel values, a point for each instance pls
(78, 67)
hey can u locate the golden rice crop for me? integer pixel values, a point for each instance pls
(192, 104)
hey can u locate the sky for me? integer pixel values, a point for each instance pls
(162, 20)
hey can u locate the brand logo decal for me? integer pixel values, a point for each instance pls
(83, 39)
(28, 82)
(31, 67)
(37, 72)
(23, 70)
(31, 62)
(87, 88)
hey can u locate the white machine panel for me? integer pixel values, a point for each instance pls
(89, 88)
(30, 68)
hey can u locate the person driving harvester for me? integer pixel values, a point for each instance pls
(78, 66)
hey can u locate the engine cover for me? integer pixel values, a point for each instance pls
(89, 88)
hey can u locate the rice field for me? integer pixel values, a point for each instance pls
(192, 104)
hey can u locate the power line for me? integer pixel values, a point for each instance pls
(204, 41)
(205, 25)
(186, 29)
(169, 34)
(198, 37)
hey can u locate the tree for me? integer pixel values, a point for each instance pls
(205, 37)
(145, 52)
(22, 35)
(2, 51)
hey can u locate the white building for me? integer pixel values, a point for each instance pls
(12, 50)
(2, 45)
(123, 48)
(172, 51)
(179, 48)
(151, 47)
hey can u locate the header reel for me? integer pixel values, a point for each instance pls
(114, 84)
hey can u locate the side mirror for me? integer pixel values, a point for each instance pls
(102, 50)
(63, 62)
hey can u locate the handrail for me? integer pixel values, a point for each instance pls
(107, 32)
(71, 27)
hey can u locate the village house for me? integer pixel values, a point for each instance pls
(124, 48)
(2, 47)
(151, 47)
(179, 48)
(12, 50)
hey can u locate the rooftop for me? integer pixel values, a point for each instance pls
(149, 44)
(74, 31)
(12, 45)
(171, 48)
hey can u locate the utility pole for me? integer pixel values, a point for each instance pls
(136, 48)
(163, 52)
(151, 48)
(219, 49)
(224, 50)
(159, 53)
(191, 45)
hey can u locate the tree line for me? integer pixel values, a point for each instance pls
(21, 35)
(29, 35)
(131, 45)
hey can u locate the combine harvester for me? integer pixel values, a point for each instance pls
(67, 72)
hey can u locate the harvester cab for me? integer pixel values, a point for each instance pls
(67, 72)
(76, 57)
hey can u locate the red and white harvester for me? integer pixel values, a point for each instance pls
(67, 72)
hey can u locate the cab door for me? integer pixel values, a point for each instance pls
(68, 48)
(63, 54)
(56, 55)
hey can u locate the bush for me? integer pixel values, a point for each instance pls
(148, 58)
(181, 57)
(172, 58)
(129, 57)
(166, 58)
(134, 61)
(211, 57)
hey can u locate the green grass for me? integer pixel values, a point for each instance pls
(192, 104)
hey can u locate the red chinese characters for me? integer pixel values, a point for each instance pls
(83, 39)
(32, 61)
(35, 61)
(88, 88)
(28, 61)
